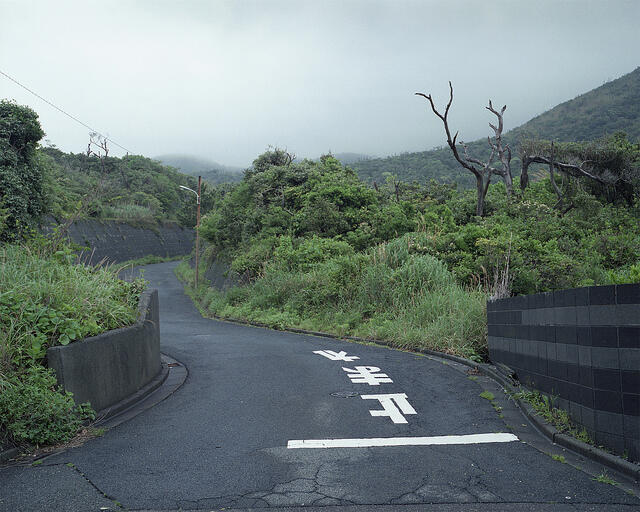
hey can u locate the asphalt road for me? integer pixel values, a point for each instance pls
(229, 437)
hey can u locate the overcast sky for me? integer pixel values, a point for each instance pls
(225, 79)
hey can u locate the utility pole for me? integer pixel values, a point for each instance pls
(198, 231)
(197, 225)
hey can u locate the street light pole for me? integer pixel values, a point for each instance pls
(197, 224)
(198, 231)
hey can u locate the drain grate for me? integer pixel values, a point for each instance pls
(345, 394)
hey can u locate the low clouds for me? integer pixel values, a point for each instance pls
(224, 80)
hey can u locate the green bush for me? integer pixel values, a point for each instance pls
(34, 410)
(305, 253)
(392, 293)
(45, 300)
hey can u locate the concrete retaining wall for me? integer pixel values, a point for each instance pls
(583, 347)
(107, 368)
(117, 241)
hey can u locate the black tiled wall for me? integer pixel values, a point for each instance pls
(581, 346)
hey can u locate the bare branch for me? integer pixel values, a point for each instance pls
(568, 168)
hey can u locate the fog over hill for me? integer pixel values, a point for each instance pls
(210, 170)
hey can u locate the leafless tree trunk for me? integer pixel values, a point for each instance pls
(524, 176)
(482, 171)
(504, 151)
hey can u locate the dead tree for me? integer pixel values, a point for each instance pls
(572, 164)
(482, 171)
(504, 151)
(100, 142)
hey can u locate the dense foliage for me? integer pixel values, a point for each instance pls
(408, 263)
(131, 188)
(46, 300)
(315, 210)
(389, 292)
(22, 199)
(615, 106)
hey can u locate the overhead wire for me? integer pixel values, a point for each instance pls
(65, 113)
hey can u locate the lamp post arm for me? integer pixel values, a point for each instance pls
(191, 190)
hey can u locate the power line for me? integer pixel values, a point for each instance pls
(65, 113)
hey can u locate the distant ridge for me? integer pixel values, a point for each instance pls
(612, 107)
(210, 170)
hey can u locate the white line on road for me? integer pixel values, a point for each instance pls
(402, 441)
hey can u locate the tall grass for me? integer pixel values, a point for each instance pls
(129, 212)
(391, 293)
(46, 300)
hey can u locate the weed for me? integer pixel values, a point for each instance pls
(410, 300)
(488, 395)
(605, 479)
(46, 300)
(559, 458)
(559, 418)
(473, 378)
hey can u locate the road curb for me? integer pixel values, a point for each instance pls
(591, 452)
(8, 454)
(136, 397)
(121, 411)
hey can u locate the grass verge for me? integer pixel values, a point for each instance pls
(409, 300)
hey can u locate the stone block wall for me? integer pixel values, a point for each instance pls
(581, 346)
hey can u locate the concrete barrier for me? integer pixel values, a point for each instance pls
(111, 366)
(118, 241)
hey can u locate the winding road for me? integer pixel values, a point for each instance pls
(296, 422)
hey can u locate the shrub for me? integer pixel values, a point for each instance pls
(33, 410)
(45, 300)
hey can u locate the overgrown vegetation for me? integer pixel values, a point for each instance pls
(132, 188)
(407, 263)
(386, 293)
(46, 300)
(559, 418)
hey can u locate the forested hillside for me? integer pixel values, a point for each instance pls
(132, 188)
(615, 106)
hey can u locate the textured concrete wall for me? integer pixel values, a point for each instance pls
(582, 346)
(107, 368)
(117, 241)
(219, 277)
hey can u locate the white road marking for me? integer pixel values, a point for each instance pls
(367, 375)
(336, 356)
(403, 441)
(393, 404)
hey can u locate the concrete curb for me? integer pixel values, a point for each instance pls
(591, 452)
(136, 397)
(8, 454)
(127, 408)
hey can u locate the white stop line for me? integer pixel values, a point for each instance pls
(402, 441)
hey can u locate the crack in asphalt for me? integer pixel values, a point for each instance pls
(75, 468)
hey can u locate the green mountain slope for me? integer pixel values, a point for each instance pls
(131, 188)
(609, 108)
